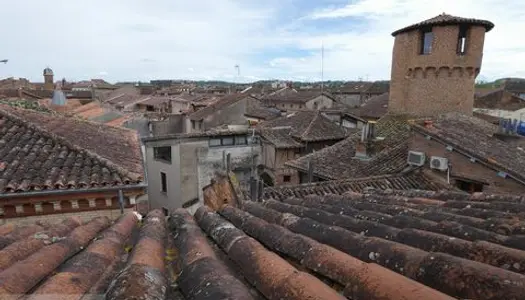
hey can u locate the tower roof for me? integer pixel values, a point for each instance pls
(48, 71)
(445, 19)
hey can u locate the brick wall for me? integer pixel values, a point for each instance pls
(439, 82)
(55, 218)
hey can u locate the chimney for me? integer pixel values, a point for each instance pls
(366, 146)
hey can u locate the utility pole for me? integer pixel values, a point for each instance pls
(254, 182)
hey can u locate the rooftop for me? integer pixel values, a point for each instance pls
(378, 244)
(499, 99)
(375, 107)
(409, 181)
(304, 126)
(475, 137)
(42, 151)
(444, 20)
(338, 162)
(222, 103)
(288, 95)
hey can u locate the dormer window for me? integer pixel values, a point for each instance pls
(426, 41)
(462, 40)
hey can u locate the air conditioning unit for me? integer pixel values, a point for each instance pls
(439, 163)
(416, 158)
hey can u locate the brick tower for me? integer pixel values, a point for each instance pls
(435, 64)
(48, 80)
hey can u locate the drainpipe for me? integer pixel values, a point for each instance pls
(76, 191)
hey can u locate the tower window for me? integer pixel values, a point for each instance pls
(426, 41)
(462, 40)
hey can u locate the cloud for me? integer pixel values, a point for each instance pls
(134, 40)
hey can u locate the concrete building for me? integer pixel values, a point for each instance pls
(180, 166)
(435, 64)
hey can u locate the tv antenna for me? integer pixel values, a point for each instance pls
(238, 68)
(322, 66)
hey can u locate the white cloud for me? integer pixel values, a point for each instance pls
(373, 47)
(135, 40)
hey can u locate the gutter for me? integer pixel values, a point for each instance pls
(75, 191)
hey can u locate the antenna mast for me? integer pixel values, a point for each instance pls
(322, 66)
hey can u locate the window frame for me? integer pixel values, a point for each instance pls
(425, 33)
(462, 40)
(162, 158)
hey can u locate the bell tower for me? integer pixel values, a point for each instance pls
(48, 79)
(435, 64)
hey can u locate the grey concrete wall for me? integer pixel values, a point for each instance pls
(174, 124)
(189, 170)
(157, 198)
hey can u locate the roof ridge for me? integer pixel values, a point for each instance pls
(106, 162)
(309, 127)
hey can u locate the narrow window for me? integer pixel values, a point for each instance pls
(426, 41)
(462, 40)
(193, 125)
(163, 183)
(287, 178)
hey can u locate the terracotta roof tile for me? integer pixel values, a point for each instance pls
(301, 126)
(339, 162)
(44, 151)
(375, 107)
(476, 137)
(411, 235)
(413, 180)
(445, 19)
(265, 113)
(378, 244)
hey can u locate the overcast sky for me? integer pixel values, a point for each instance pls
(121, 40)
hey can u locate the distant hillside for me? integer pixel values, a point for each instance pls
(496, 83)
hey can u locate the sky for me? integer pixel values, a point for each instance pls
(136, 40)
